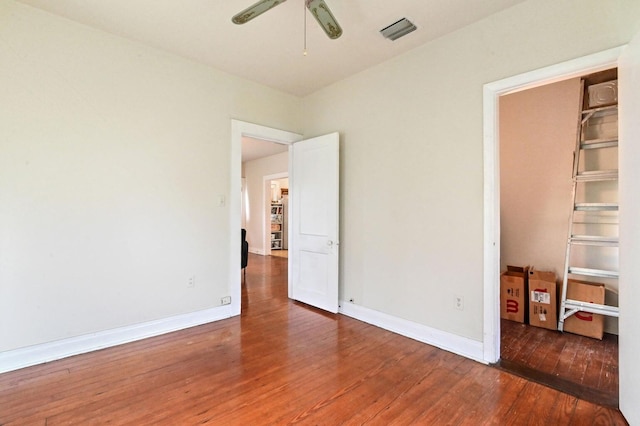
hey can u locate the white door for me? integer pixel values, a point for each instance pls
(629, 163)
(313, 199)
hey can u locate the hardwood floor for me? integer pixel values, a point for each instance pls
(282, 362)
(578, 365)
(280, 253)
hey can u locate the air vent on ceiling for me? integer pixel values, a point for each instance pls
(398, 29)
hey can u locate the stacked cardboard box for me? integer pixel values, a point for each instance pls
(543, 299)
(584, 323)
(513, 294)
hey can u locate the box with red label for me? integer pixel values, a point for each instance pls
(585, 323)
(513, 294)
(543, 299)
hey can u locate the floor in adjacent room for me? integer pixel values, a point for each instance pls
(280, 253)
(578, 365)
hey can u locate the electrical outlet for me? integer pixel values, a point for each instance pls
(458, 302)
(226, 300)
(192, 281)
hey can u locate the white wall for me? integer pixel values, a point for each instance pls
(255, 172)
(412, 131)
(112, 158)
(629, 73)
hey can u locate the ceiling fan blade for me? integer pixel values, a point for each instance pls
(255, 10)
(325, 18)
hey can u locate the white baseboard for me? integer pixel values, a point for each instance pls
(462, 346)
(46, 352)
(257, 251)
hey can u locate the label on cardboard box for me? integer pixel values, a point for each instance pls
(541, 312)
(543, 309)
(541, 297)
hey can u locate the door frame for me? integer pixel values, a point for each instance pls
(491, 148)
(239, 129)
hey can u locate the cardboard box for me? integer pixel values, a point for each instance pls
(603, 94)
(513, 294)
(543, 299)
(584, 323)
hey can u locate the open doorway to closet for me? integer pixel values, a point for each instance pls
(538, 132)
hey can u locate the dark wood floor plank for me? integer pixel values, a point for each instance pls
(544, 347)
(282, 362)
(513, 338)
(609, 377)
(579, 365)
(530, 343)
(594, 369)
(553, 353)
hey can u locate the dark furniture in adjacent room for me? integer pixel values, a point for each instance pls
(245, 252)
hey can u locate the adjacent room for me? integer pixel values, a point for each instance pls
(124, 188)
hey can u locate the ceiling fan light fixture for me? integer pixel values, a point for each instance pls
(318, 9)
(325, 18)
(398, 29)
(255, 10)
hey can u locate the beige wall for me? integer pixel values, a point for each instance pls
(112, 158)
(412, 130)
(537, 139)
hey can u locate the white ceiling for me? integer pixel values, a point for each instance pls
(268, 49)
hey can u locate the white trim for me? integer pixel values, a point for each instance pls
(46, 352)
(449, 342)
(238, 130)
(492, 91)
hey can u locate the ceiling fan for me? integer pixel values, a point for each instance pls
(318, 9)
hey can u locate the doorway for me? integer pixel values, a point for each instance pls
(314, 173)
(240, 130)
(265, 177)
(537, 141)
(492, 223)
(491, 247)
